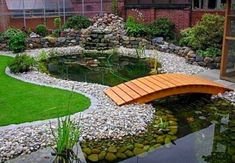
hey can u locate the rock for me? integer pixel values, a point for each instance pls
(95, 151)
(208, 59)
(199, 58)
(160, 139)
(87, 151)
(93, 157)
(61, 39)
(146, 148)
(102, 155)
(202, 117)
(112, 149)
(104, 30)
(110, 157)
(137, 145)
(157, 40)
(191, 54)
(138, 151)
(130, 146)
(51, 40)
(129, 153)
(33, 35)
(125, 38)
(122, 149)
(167, 140)
(120, 155)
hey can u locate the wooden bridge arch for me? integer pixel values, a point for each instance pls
(149, 88)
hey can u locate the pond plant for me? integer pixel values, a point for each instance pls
(66, 138)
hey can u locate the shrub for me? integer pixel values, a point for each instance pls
(162, 27)
(43, 55)
(57, 22)
(1, 37)
(21, 63)
(41, 30)
(207, 33)
(56, 32)
(186, 37)
(209, 52)
(10, 32)
(114, 7)
(77, 22)
(134, 28)
(17, 42)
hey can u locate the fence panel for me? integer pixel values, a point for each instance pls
(29, 13)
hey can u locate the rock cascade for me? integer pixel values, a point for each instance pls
(105, 33)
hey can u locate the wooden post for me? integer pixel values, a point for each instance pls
(225, 42)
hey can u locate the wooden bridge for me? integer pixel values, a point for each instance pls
(149, 88)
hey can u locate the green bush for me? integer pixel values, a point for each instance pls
(162, 27)
(56, 32)
(133, 28)
(21, 63)
(186, 37)
(77, 22)
(10, 32)
(41, 30)
(209, 52)
(1, 37)
(57, 22)
(208, 33)
(17, 42)
(114, 7)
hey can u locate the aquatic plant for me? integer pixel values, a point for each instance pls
(162, 125)
(66, 137)
(154, 70)
(140, 51)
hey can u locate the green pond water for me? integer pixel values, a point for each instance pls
(107, 69)
(186, 129)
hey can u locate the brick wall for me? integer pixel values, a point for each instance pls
(197, 14)
(31, 23)
(181, 18)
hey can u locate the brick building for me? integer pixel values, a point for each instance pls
(29, 13)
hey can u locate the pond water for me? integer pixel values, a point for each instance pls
(186, 129)
(108, 69)
(194, 129)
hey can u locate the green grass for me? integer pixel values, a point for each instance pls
(23, 102)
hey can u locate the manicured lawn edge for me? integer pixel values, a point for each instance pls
(25, 102)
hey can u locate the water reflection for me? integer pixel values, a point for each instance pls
(189, 149)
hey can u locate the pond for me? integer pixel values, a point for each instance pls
(187, 128)
(107, 69)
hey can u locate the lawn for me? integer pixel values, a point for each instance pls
(23, 102)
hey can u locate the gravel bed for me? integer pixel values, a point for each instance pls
(102, 120)
(171, 63)
(230, 96)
